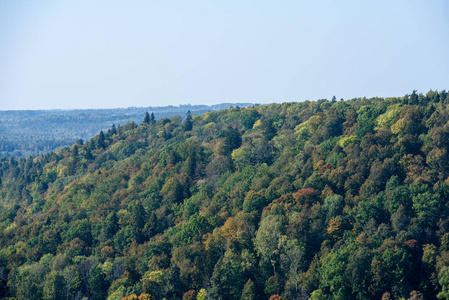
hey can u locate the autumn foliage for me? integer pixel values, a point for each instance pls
(317, 199)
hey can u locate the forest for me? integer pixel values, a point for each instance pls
(321, 199)
(32, 132)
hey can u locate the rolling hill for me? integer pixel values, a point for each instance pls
(312, 200)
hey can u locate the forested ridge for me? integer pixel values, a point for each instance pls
(33, 132)
(311, 200)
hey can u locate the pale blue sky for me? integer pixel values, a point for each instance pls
(98, 54)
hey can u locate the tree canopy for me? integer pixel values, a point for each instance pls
(317, 199)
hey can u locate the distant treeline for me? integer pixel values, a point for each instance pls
(31, 132)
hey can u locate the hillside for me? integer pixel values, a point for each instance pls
(32, 132)
(311, 200)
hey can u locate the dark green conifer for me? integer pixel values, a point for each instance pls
(146, 120)
(188, 121)
(101, 141)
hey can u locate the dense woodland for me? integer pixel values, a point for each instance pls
(312, 200)
(33, 132)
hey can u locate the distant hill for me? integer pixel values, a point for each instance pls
(311, 200)
(24, 133)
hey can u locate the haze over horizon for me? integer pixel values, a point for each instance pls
(108, 54)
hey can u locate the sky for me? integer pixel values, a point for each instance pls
(58, 54)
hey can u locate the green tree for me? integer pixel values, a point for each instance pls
(174, 287)
(233, 140)
(249, 291)
(138, 220)
(98, 284)
(317, 295)
(188, 125)
(443, 280)
(228, 278)
(366, 120)
(268, 239)
(268, 129)
(101, 140)
(147, 118)
(110, 226)
(54, 287)
(254, 202)
(113, 130)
